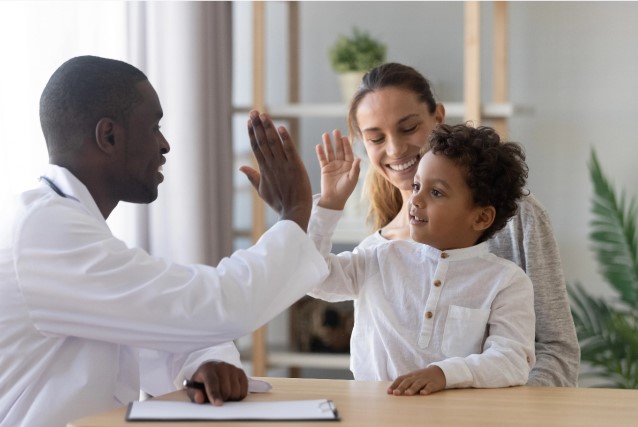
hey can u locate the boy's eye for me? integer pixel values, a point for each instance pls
(415, 187)
(436, 193)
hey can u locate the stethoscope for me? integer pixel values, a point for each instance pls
(55, 188)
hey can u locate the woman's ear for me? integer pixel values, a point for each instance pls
(105, 131)
(484, 218)
(439, 113)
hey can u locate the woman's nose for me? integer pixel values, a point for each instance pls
(395, 147)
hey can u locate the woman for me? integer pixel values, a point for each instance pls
(393, 112)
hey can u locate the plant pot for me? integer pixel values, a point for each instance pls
(350, 82)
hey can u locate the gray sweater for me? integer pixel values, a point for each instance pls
(528, 240)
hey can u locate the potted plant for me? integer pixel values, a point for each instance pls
(352, 56)
(608, 329)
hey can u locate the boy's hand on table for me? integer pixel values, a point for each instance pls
(424, 381)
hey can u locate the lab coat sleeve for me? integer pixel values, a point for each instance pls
(78, 280)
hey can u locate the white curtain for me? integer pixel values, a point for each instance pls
(185, 49)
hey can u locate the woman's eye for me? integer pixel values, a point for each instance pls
(409, 130)
(376, 140)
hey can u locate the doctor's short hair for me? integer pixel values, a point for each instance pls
(495, 171)
(80, 92)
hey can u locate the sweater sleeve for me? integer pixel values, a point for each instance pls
(529, 241)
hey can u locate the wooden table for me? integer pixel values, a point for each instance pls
(363, 403)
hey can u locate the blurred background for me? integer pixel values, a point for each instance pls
(572, 86)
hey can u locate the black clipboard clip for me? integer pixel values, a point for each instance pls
(329, 406)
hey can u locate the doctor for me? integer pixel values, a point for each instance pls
(77, 305)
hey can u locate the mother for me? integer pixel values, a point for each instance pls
(393, 112)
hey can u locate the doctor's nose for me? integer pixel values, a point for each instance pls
(165, 147)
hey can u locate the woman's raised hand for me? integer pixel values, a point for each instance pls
(339, 170)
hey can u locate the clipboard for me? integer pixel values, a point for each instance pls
(282, 410)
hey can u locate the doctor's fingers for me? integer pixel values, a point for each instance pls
(233, 382)
(267, 138)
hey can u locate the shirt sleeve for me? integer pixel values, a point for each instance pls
(346, 270)
(78, 280)
(508, 351)
(529, 241)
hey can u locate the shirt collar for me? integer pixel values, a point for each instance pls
(72, 188)
(455, 254)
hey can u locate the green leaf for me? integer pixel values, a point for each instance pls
(358, 52)
(608, 330)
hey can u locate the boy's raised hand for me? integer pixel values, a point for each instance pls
(339, 170)
(282, 180)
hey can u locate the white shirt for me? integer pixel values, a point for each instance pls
(528, 240)
(77, 304)
(465, 310)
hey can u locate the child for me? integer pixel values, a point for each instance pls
(438, 311)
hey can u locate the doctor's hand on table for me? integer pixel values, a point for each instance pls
(222, 382)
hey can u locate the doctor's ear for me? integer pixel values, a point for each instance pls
(105, 134)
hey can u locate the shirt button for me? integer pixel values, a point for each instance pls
(437, 283)
(444, 255)
(428, 314)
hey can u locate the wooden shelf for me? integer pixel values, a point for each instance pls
(264, 356)
(279, 357)
(452, 109)
(285, 359)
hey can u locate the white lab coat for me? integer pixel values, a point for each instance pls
(76, 305)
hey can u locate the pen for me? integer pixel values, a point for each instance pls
(194, 384)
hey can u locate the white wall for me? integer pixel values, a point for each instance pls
(573, 66)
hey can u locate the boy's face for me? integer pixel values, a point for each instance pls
(442, 212)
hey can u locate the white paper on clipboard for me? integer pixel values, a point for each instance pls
(283, 410)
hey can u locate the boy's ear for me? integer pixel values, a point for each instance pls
(105, 134)
(484, 218)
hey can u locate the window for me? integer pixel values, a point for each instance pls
(37, 37)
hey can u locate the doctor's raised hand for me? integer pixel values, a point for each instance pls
(339, 170)
(282, 180)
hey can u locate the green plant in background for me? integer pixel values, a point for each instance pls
(359, 52)
(608, 330)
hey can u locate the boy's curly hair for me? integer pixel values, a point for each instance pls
(495, 171)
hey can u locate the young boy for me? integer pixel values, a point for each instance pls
(439, 311)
